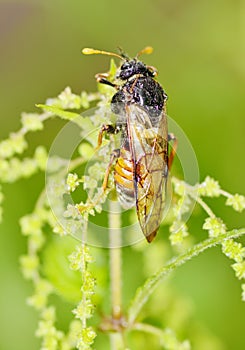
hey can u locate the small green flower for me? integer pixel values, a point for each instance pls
(41, 157)
(209, 188)
(31, 121)
(4, 169)
(15, 144)
(88, 335)
(44, 287)
(29, 265)
(233, 250)
(51, 337)
(84, 309)
(31, 224)
(239, 269)
(86, 338)
(59, 229)
(215, 226)
(36, 241)
(18, 143)
(243, 292)
(88, 283)
(84, 100)
(72, 227)
(68, 100)
(15, 169)
(72, 182)
(75, 329)
(79, 256)
(72, 212)
(89, 182)
(178, 231)
(38, 301)
(179, 188)
(29, 167)
(170, 341)
(237, 202)
(6, 149)
(181, 207)
(49, 314)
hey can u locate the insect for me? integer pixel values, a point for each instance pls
(142, 162)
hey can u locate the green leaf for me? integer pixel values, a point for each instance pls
(59, 112)
(55, 267)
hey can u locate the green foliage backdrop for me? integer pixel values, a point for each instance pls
(199, 51)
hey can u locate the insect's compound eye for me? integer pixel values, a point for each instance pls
(127, 69)
(125, 66)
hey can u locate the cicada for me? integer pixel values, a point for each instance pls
(142, 163)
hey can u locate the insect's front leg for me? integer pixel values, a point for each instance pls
(102, 78)
(115, 154)
(109, 129)
(172, 137)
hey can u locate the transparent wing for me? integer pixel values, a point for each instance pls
(148, 141)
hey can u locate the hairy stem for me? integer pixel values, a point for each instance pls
(116, 339)
(115, 258)
(143, 293)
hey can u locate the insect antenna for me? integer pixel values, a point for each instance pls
(89, 51)
(122, 53)
(147, 50)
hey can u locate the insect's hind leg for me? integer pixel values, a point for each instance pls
(172, 137)
(115, 154)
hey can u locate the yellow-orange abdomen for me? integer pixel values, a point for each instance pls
(123, 176)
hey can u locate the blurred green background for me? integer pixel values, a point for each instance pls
(199, 50)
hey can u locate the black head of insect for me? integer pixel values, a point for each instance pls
(129, 67)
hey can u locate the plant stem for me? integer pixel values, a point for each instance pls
(115, 258)
(83, 268)
(116, 338)
(204, 206)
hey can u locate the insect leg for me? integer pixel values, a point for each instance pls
(115, 154)
(102, 78)
(110, 129)
(153, 70)
(172, 137)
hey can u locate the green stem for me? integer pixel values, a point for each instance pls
(225, 193)
(83, 269)
(192, 191)
(204, 206)
(147, 328)
(144, 292)
(116, 339)
(166, 337)
(115, 258)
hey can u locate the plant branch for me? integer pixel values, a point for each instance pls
(144, 292)
(116, 339)
(115, 258)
